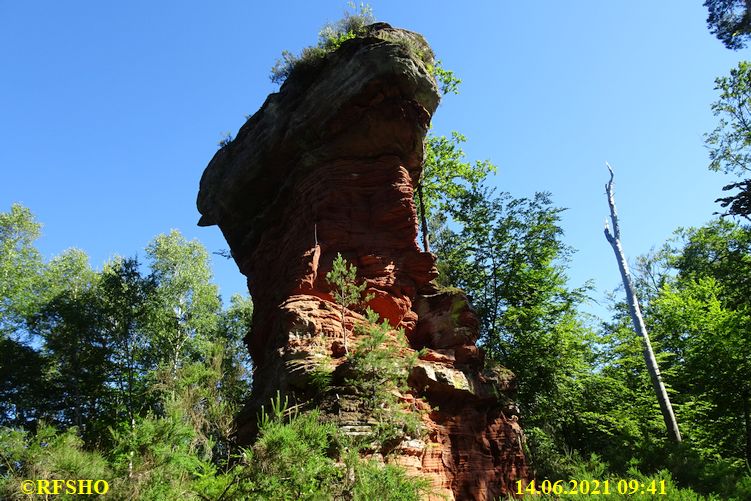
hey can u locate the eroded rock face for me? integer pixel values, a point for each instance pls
(327, 166)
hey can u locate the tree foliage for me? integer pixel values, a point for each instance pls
(20, 265)
(584, 393)
(705, 313)
(69, 326)
(509, 258)
(134, 375)
(378, 369)
(345, 290)
(21, 367)
(729, 21)
(447, 177)
(141, 364)
(185, 305)
(730, 142)
(507, 254)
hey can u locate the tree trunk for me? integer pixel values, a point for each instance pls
(77, 376)
(639, 327)
(342, 312)
(423, 220)
(747, 419)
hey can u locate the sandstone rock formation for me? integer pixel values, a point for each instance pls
(327, 166)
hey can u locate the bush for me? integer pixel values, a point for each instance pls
(46, 455)
(305, 458)
(330, 38)
(379, 368)
(594, 474)
(291, 461)
(705, 483)
(387, 482)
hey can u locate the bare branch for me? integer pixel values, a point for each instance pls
(611, 202)
(608, 236)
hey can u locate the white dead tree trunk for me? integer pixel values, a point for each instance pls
(614, 239)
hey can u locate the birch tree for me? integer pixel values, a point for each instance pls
(186, 303)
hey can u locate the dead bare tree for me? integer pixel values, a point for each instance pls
(423, 219)
(640, 328)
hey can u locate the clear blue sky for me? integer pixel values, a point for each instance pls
(109, 111)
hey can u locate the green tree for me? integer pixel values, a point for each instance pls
(446, 178)
(507, 255)
(620, 420)
(123, 297)
(20, 268)
(378, 368)
(729, 21)
(345, 290)
(729, 143)
(716, 352)
(705, 312)
(209, 391)
(184, 314)
(23, 393)
(722, 250)
(237, 365)
(69, 325)
(698, 322)
(21, 365)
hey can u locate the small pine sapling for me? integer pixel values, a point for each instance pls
(380, 368)
(346, 291)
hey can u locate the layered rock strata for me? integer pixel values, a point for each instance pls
(326, 166)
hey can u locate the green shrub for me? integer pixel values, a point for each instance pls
(707, 474)
(321, 377)
(46, 455)
(545, 456)
(387, 483)
(330, 38)
(307, 458)
(158, 458)
(291, 461)
(571, 467)
(379, 368)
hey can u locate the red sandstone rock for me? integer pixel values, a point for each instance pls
(328, 166)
